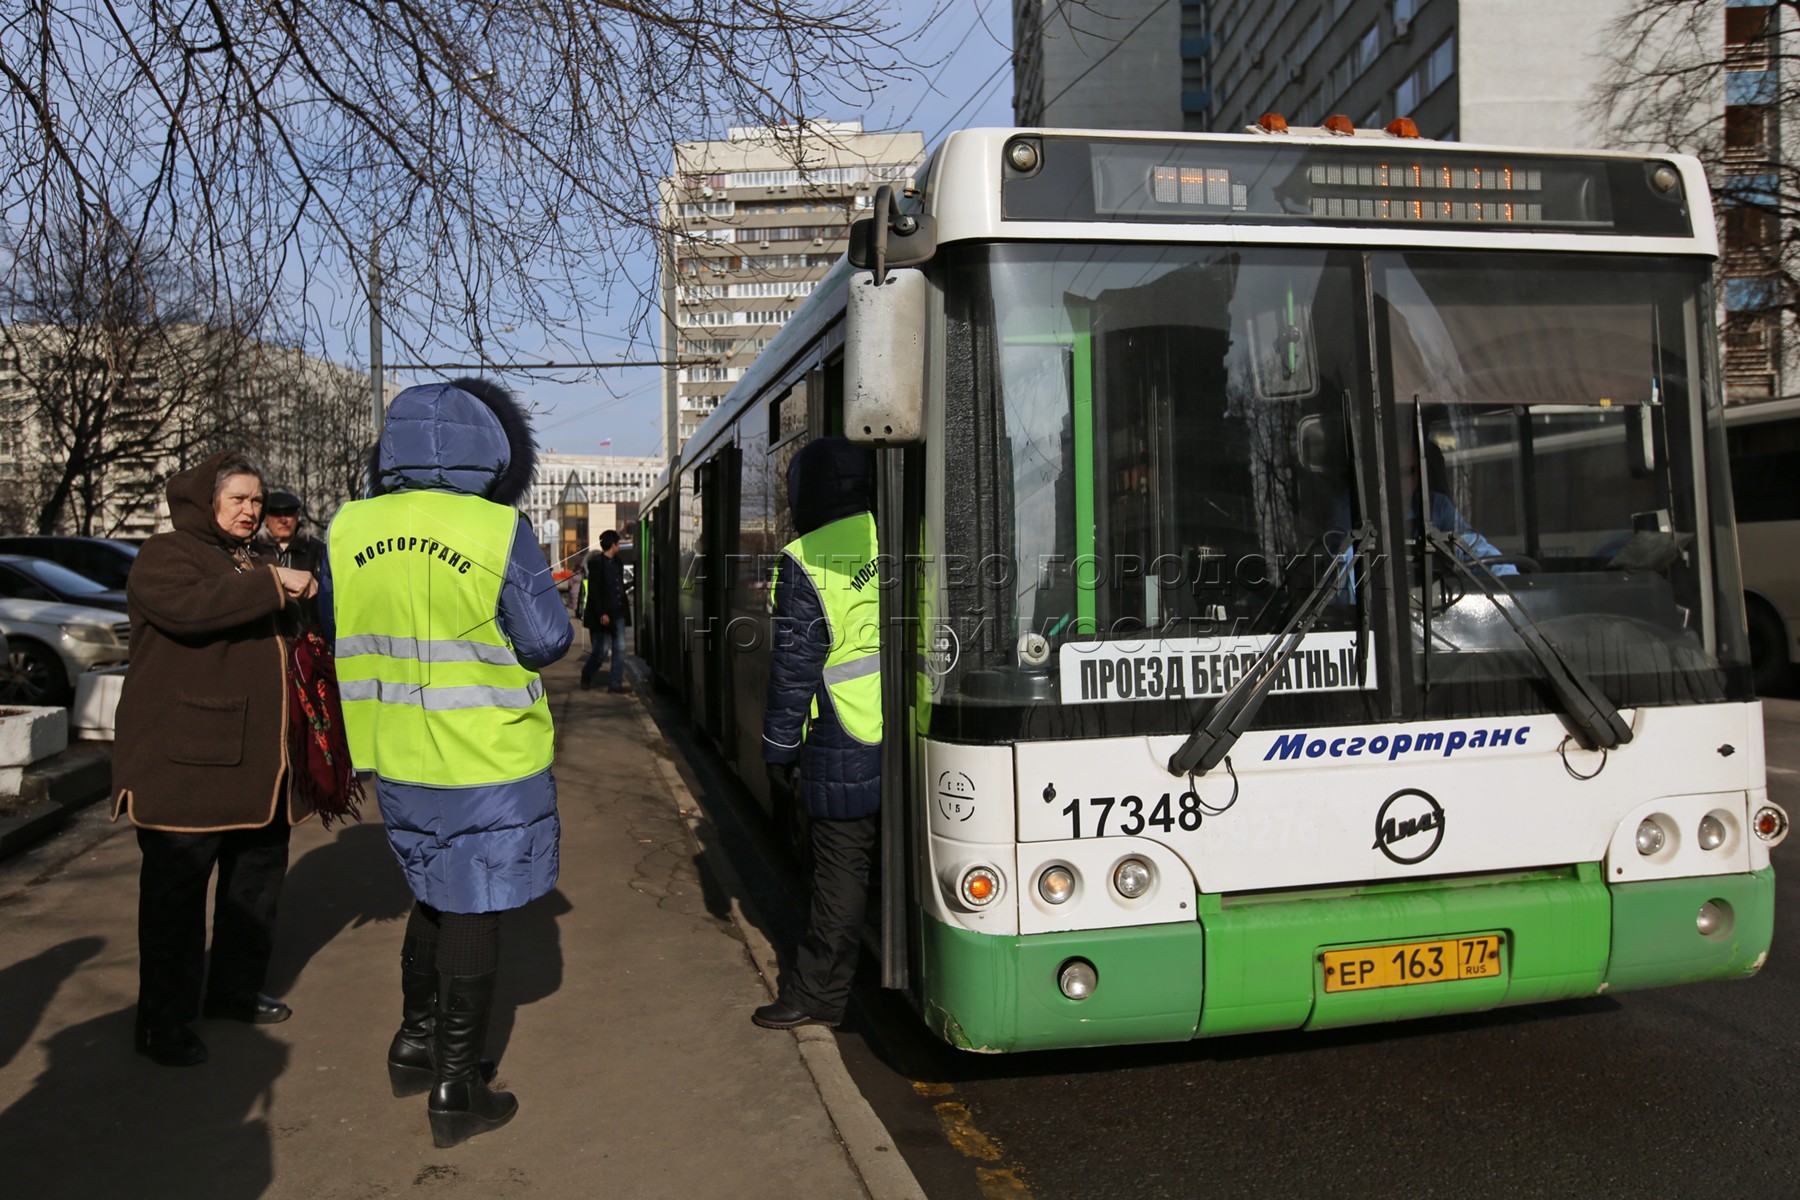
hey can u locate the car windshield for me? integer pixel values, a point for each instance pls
(1169, 449)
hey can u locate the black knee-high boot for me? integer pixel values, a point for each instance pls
(461, 1104)
(411, 1069)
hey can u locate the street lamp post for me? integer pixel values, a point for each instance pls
(379, 391)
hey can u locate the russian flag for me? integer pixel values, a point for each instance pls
(606, 441)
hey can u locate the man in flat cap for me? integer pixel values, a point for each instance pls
(282, 543)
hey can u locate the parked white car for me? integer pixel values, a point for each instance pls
(49, 645)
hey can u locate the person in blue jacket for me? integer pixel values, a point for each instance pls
(1466, 541)
(443, 611)
(822, 722)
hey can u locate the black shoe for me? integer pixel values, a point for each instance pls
(619, 689)
(785, 1014)
(254, 1009)
(461, 1105)
(168, 1044)
(411, 1066)
(586, 683)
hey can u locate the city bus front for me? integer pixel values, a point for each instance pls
(1331, 603)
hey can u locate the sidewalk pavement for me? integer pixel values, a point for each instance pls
(622, 1024)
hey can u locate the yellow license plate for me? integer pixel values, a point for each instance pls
(1444, 961)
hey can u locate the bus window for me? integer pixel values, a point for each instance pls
(1526, 394)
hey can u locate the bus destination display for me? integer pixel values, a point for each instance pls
(1381, 184)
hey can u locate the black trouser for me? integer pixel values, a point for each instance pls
(825, 962)
(172, 915)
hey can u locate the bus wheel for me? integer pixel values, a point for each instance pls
(1768, 647)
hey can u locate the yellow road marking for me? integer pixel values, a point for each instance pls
(960, 1129)
(1001, 1183)
(994, 1183)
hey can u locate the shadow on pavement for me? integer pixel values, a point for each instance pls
(531, 963)
(28, 987)
(344, 883)
(100, 1114)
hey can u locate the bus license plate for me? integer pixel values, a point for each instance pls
(1443, 961)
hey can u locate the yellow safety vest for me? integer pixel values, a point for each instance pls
(432, 691)
(840, 558)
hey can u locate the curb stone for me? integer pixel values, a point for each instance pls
(866, 1140)
(54, 790)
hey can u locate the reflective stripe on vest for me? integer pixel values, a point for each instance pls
(432, 692)
(840, 558)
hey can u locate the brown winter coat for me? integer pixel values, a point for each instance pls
(202, 727)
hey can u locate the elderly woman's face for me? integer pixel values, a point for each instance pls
(238, 507)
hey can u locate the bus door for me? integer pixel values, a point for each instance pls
(900, 500)
(719, 485)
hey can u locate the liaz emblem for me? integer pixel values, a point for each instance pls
(1404, 820)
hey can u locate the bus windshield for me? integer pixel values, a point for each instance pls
(1172, 448)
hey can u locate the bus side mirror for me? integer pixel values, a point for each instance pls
(884, 358)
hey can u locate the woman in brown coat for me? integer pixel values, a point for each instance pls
(200, 761)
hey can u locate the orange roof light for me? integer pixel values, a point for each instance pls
(1339, 124)
(1403, 127)
(1272, 122)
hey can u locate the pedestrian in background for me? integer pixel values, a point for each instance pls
(200, 757)
(444, 611)
(825, 698)
(283, 542)
(606, 613)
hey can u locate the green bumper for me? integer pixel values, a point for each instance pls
(1254, 963)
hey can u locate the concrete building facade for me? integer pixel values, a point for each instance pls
(169, 401)
(754, 222)
(612, 481)
(1128, 64)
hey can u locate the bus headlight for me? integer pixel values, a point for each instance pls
(1132, 878)
(1711, 834)
(1650, 837)
(1056, 884)
(1770, 823)
(979, 886)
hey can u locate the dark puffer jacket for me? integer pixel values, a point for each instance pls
(840, 777)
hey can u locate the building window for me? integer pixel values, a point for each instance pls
(1748, 32)
(1440, 65)
(1746, 129)
(1406, 95)
(1368, 49)
(1749, 232)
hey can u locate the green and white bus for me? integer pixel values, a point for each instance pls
(1312, 593)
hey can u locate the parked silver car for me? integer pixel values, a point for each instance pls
(49, 645)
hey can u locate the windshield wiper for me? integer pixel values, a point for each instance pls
(1598, 724)
(1208, 745)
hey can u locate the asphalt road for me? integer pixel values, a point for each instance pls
(1689, 1091)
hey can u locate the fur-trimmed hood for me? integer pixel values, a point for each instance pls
(469, 435)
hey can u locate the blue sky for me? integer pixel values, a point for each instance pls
(964, 80)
